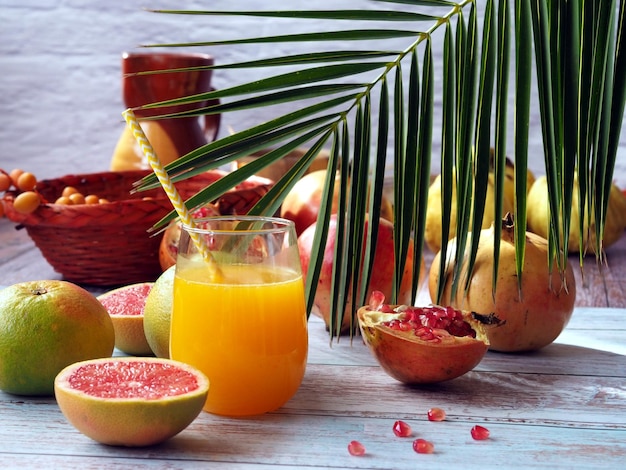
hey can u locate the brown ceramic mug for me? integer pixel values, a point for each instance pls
(172, 137)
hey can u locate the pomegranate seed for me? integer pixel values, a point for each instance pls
(480, 433)
(422, 446)
(356, 448)
(436, 414)
(401, 429)
(376, 300)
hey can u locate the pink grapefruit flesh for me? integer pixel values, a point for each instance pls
(131, 401)
(126, 306)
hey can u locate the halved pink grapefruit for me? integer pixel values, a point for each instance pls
(126, 308)
(130, 401)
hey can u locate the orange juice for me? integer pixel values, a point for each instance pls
(247, 333)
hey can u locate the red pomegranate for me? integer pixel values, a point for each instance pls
(382, 273)
(168, 249)
(302, 204)
(237, 201)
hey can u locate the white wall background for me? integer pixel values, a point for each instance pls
(60, 88)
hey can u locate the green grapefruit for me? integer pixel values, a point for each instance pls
(158, 314)
(45, 326)
(126, 308)
(130, 401)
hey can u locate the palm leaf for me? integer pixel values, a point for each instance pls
(523, 61)
(580, 66)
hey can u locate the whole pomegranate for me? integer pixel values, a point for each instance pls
(382, 272)
(302, 204)
(534, 316)
(168, 248)
(423, 344)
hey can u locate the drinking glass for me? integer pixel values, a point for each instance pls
(240, 316)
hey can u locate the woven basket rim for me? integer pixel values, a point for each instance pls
(155, 200)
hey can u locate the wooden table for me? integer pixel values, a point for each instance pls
(561, 407)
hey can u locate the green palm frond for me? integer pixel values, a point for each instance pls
(374, 107)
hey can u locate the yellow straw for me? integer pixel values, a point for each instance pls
(168, 186)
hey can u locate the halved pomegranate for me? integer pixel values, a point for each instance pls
(417, 345)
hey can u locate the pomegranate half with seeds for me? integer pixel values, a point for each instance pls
(417, 345)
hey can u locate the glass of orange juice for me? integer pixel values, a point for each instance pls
(241, 318)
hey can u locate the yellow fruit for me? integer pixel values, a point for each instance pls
(130, 401)
(433, 214)
(125, 306)
(45, 326)
(509, 180)
(26, 202)
(77, 198)
(68, 191)
(26, 181)
(539, 215)
(5, 181)
(15, 175)
(91, 199)
(64, 201)
(432, 234)
(158, 314)
(128, 156)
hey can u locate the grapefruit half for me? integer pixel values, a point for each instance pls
(126, 308)
(130, 401)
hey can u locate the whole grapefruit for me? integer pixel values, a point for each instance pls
(125, 305)
(130, 401)
(158, 313)
(45, 326)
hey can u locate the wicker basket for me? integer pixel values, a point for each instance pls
(102, 244)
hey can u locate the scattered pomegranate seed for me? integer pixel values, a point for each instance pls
(436, 414)
(480, 433)
(356, 448)
(402, 429)
(422, 446)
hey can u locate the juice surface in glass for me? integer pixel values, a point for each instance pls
(247, 332)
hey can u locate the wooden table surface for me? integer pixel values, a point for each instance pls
(561, 407)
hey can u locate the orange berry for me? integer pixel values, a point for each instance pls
(26, 181)
(103, 201)
(15, 174)
(91, 199)
(77, 198)
(26, 202)
(68, 191)
(64, 200)
(5, 182)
